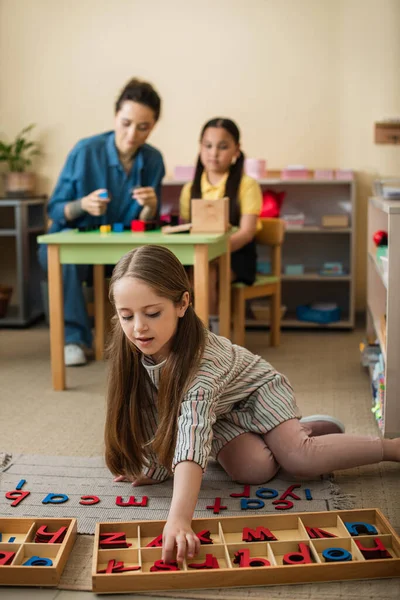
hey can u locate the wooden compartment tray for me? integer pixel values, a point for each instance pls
(19, 542)
(370, 548)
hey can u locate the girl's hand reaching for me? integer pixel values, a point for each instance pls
(179, 536)
(137, 482)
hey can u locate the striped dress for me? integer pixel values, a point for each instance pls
(234, 392)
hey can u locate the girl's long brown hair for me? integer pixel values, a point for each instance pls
(126, 447)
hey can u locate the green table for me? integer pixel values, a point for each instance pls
(99, 249)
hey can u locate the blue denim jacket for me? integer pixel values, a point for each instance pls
(93, 164)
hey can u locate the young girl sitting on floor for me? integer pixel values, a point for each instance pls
(219, 173)
(178, 394)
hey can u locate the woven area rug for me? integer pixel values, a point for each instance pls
(80, 476)
(74, 477)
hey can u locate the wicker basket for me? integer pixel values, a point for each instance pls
(5, 297)
(261, 312)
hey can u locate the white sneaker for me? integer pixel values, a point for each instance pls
(74, 355)
(324, 424)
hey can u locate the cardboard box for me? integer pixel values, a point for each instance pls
(335, 221)
(210, 216)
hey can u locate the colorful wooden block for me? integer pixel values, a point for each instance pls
(105, 228)
(138, 226)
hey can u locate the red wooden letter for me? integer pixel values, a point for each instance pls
(117, 567)
(210, 563)
(316, 532)
(113, 540)
(378, 551)
(131, 501)
(156, 543)
(244, 494)
(17, 496)
(47, 537)
(160, 565)
(261, 534)
(89, 500)
(302, 557)
(6, 558)
(216, 507)
(204, 537)
(242, 557)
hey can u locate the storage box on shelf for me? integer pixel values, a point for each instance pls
(310, 244)
(383, 314)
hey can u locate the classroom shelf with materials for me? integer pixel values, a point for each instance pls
(383, 313)
(312, 244)
(21, 220)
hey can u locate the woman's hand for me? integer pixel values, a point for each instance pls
(145, 196)
(136, 482)
(93, 204)
(179, 537)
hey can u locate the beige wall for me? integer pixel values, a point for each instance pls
(305, 79)
(369, 80)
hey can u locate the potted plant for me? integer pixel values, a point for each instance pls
(19, 155)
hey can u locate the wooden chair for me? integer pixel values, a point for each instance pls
(271, 234)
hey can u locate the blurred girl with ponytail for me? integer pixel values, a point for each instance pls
(219, 173)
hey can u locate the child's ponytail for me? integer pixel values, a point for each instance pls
(232, 189)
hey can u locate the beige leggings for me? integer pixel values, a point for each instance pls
(255, 459)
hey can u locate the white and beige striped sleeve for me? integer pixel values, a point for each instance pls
(195, 425)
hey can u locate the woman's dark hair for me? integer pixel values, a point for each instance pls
(235, 170)
(141, 92)
(127, 447)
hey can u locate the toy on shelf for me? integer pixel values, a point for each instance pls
(294, 269)
(105, 228)
(264, 267)
(322, 313)
(381, 241)
(262, 312)
(332, 268)
(255, 167)
(325, 174)
(344, 174)
(380, 238)
(295, 172)
(294, 221)
(335, 221)
(272, 202)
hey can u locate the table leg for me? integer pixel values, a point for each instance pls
(225, 294)
(56, 315)
(99, 311)
(201, 282)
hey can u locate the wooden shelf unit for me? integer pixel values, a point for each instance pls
(383, 299)
(311, 245)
